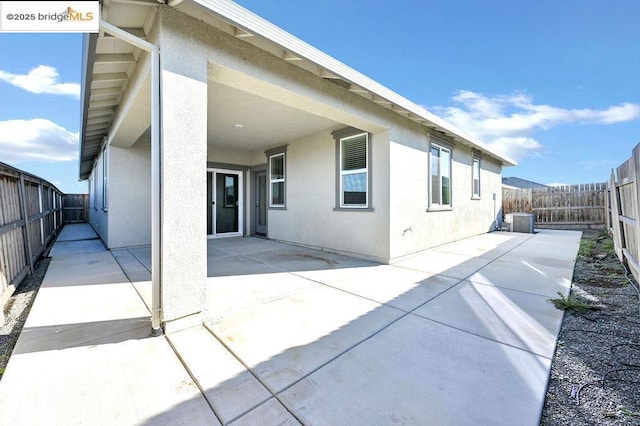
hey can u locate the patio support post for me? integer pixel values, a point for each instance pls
(183, 179)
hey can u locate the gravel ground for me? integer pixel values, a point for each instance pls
(600, 341)
(17, 309)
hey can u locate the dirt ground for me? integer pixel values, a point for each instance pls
(595, 374)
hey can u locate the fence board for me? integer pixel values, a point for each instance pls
(559, 206)
(75, 208)
(28, 212)
(623, 211)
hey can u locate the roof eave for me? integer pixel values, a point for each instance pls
(89, 42)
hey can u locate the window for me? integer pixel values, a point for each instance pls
(92, 191)
(440, 188)
(354, 175)
(475, 178)
(277, 177)
(105, 166)
(230, 191)
(277, 158)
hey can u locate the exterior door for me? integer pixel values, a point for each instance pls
(260, 213)
(224, 196)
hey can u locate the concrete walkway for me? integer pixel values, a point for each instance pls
(461, 334)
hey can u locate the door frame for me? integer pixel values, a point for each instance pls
(240, 200)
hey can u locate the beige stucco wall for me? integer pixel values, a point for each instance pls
(310, 218)
(412, 227)
(98, 217)
(130, 201)
(237, 157)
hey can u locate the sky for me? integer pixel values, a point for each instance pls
(555, 85)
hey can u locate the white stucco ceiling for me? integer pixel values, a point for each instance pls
(264, 123)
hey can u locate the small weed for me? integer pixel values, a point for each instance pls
(626, 412)
(586, 247)
(573, 303)
(607, 246)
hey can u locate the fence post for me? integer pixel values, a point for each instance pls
(607, 209)
(615, 218)
(636, 205)
(27, 233)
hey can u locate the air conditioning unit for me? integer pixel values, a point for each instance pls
(520, 222)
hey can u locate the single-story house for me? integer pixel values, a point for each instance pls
(519, 183)
(201, 119)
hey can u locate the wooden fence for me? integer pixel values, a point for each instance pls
(560, 207)
(75, 208)
(30, 218)
(623, 219)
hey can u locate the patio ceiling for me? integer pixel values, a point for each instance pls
(241, 120)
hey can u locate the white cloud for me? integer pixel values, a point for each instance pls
(36, 140)
(41, 79)
(603, 164)
(508, 122)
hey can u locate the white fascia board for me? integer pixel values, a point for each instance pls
(249, 22)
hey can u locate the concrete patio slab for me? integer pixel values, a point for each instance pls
(239, 265)
(523, 320)
(76, 232)
(267, 414)
(490, 245)
(441, 262)
(518, 273)
(85, 357)
(294, 258)
(75, 247)
(401, 288)
(286, 339)
(83, 269)
(244, 246)
(422, 373)
(135, 269)
(229, 388)
(235, 295)
(459, 334)
(131, 382)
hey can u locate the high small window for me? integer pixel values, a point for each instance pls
(440, 176)
(475, 178)
(277, 180)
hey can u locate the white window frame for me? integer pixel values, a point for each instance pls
(105, 179)
(282, 180)
(364, 170)
(438, 205)
(92, 190)
(476, 166)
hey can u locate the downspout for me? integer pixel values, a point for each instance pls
(154, 51)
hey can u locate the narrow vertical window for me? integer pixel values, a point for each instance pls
(92, 190)
(440, 176)
(354, 171)
(277, 180)
(475, 180)
(105, 168)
